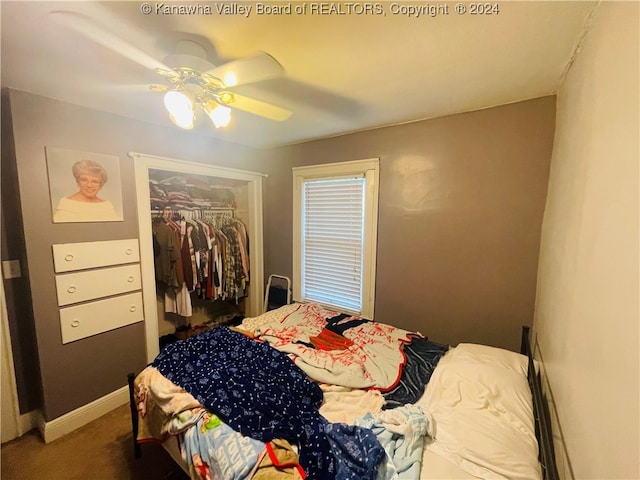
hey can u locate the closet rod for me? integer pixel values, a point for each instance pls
(203, 209)
(201, 212)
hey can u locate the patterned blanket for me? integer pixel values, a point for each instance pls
(259, 392)
(339, 349)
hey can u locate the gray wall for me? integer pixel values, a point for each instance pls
(17, 290)
(77, 373)
(460, 213)
(461, 202)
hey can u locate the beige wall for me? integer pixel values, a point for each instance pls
(460, 212)
(587, 306)
(77, 373)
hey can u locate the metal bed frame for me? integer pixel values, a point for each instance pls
(544, 433)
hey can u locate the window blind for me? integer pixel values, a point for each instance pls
(332, 241)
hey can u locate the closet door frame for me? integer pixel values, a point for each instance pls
(142, 164)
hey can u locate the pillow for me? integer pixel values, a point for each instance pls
(490, 356)
(250, 324)
(480, 400)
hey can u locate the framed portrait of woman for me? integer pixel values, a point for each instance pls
(84, 187)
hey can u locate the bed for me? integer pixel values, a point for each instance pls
(305, 392)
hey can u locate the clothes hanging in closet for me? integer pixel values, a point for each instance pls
(201, 251)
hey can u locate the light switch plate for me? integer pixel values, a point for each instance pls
(11, 269)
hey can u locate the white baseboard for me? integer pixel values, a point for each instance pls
(79, 417)
(28, 421)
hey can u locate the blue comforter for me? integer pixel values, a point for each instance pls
(259, 392)
(422, 358)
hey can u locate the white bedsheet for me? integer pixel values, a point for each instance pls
(480, 400)
(436, 467)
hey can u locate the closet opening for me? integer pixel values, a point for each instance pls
(201, 247)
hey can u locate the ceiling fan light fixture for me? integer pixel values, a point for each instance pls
(194, 85)
(219, 114)
(182, 121)
(180, 105)
(230, 79)
(178, 101)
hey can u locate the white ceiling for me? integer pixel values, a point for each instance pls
(344, 73)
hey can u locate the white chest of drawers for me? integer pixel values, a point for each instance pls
(98, 286)
(87, 319)
(90, 284)
(69, 257)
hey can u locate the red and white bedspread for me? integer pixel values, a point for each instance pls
(367, 354)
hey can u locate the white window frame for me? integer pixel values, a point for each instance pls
(370, 170)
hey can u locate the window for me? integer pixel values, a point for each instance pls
(335, 222)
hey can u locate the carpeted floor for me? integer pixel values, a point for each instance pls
(101, 450)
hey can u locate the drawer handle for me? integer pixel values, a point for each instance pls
(71, 289)
(128, 251)
(68, 257)
(130, 279)
(132, 308)
(75, 323)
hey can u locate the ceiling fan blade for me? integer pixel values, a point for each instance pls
(257, 107)
(248, 70)
(131, 88)
(90, 29)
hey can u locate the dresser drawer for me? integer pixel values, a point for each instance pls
(92, 284)
(81, 321)
(68, 257)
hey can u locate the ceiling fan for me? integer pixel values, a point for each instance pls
(192, 82)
